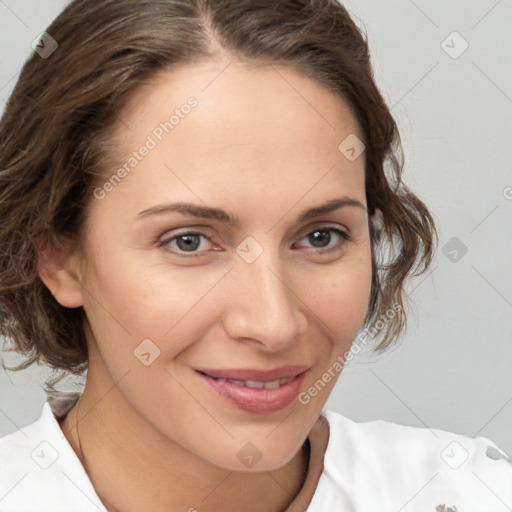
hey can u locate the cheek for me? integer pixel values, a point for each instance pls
(339, 297)
(133, 298)
(130, 302)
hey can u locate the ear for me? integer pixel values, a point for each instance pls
(59, 270)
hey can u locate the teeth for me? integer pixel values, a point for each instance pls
(272, 385)
(257, 385)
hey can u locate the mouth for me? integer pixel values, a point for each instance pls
(256, 391)
(255, 374)
(253, 384)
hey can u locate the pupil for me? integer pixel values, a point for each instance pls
(190, 244)
(324, 236)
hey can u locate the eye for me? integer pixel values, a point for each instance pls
(186, 242)
(320, 238)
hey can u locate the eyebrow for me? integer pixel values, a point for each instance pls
(207, 212)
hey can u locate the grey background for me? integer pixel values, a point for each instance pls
(453, 369)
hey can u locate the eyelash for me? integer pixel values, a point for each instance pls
(343, 234)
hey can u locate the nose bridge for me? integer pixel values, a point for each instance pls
(264, 306)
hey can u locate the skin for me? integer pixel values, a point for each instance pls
(263, 151)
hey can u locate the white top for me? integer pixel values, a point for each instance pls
(369, 466)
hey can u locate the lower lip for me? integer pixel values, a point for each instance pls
(258, 401)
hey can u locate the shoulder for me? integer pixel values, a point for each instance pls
(417, 468)
(40, 472)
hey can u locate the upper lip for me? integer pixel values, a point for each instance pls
(255, 374)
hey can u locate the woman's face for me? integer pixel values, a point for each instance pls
(169, 291)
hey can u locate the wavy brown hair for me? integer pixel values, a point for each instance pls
(59, 120)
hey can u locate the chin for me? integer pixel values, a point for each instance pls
(254, 457)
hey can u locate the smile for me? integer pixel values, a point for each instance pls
(255, 396)
(255, 384)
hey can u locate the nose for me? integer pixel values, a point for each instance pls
(264, 305)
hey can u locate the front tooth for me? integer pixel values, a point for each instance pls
(272, 385)
(258, 385)
(254, 384)
(236, 382)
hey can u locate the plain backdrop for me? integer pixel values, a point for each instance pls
(453, 105)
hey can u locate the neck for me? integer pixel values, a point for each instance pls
(306, 449)
(124, 456)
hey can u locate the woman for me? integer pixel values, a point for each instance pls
(197, 198)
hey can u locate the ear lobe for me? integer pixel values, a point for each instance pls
(58, 269)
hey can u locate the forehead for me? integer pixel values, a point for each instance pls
(239, 102)
(262, 127)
